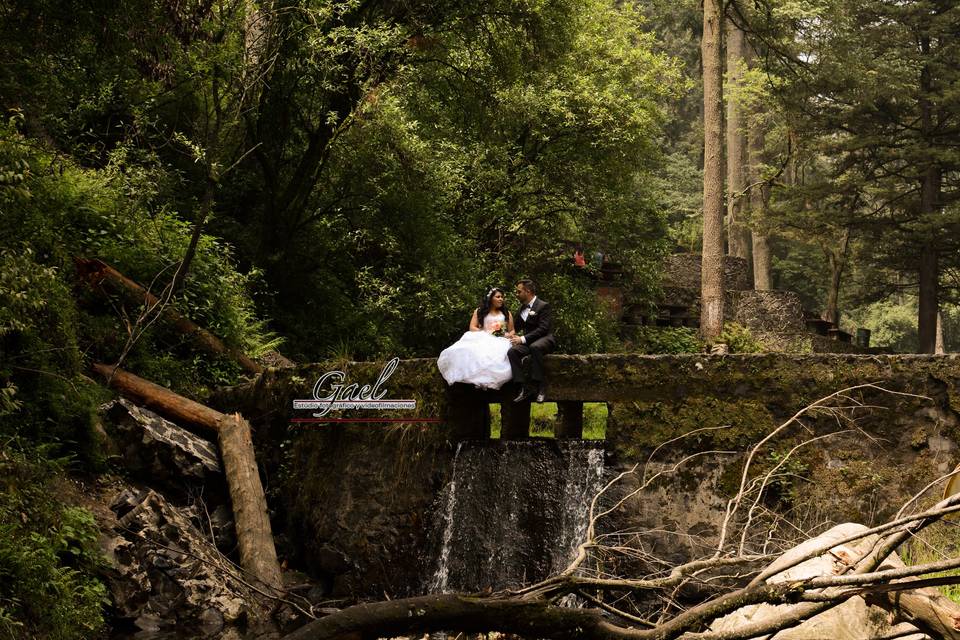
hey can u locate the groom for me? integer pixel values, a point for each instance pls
(534, 340)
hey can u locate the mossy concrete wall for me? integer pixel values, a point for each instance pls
(352, 503)
(887, 443)
(357, 505)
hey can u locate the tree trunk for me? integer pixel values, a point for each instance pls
(97, 272)
(929, 306)
(762, 280)
(759, 195)
(258, 555)
(206, 204)
(929, 268)
(738, 236)
(940, 348)
(461, 613)
(711, 287)
(837, 258)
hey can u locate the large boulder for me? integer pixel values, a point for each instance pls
(166, 575)
(157, 450)
(854, 619)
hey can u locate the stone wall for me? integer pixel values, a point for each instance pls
(682, 271)
(896, 444)
(353, 502)
(357, 504)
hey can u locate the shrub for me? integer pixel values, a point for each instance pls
(654, 340)
(739, 339)
(582, 323)
(54, 210)
(48, 553)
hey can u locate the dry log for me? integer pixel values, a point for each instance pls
(926, 609)
(160, 399)
(97, 273)
(258, 555)
(254, 536)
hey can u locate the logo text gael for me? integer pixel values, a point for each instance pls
(330, 393)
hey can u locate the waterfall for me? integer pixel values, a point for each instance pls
(439, 582)
(514, 512)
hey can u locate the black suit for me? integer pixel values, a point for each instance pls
(537, 330)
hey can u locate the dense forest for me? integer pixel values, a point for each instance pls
(344, 180)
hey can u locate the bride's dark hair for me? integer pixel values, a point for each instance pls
(487, 301)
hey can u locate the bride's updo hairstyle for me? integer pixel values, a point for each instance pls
(486, 303)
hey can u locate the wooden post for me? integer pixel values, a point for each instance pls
(258, 555)
(570, 419)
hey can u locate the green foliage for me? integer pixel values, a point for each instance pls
(49, 554)
(653, 340)
(892, 326)
(739, 339)
(52, 217)
(40, 358)
(543, 419)
(502, 140)
(582, 322)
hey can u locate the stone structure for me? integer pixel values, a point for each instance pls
(166, 577)
(775, 319)
(682, 271)
(156, 448)
(359, 501)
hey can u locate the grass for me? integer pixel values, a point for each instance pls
(933, 545)
(543, 418)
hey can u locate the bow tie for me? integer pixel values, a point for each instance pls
(524, 306)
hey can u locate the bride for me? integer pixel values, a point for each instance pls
(479, 357)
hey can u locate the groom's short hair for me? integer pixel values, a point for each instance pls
(529, 285)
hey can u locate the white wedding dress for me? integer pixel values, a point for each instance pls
(478, 357)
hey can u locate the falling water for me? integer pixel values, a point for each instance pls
(514, 512)
(439, 582)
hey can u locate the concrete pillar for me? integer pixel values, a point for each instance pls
(569, 419)
(514, 419)
(468, 413)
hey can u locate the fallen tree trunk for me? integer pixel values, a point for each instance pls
(254, 535)
(806, 599)
(464, 613)
(160, 399)
(96, 272)
(258, 555)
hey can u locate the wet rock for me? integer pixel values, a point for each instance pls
(166, 575)
(853, 619)
(158, 450)
(274, 358)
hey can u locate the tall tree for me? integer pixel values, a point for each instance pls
(711, 285)
(870, 86)
(738, 235)
(759, 189)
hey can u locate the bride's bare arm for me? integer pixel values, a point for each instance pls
(509, 324)
(474, 324)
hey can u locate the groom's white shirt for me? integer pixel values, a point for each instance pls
(524, 314)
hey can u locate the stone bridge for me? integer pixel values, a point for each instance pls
(361, 499)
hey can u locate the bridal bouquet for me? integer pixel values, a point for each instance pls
(497, 329)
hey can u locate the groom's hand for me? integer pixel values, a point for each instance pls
(515, 340)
